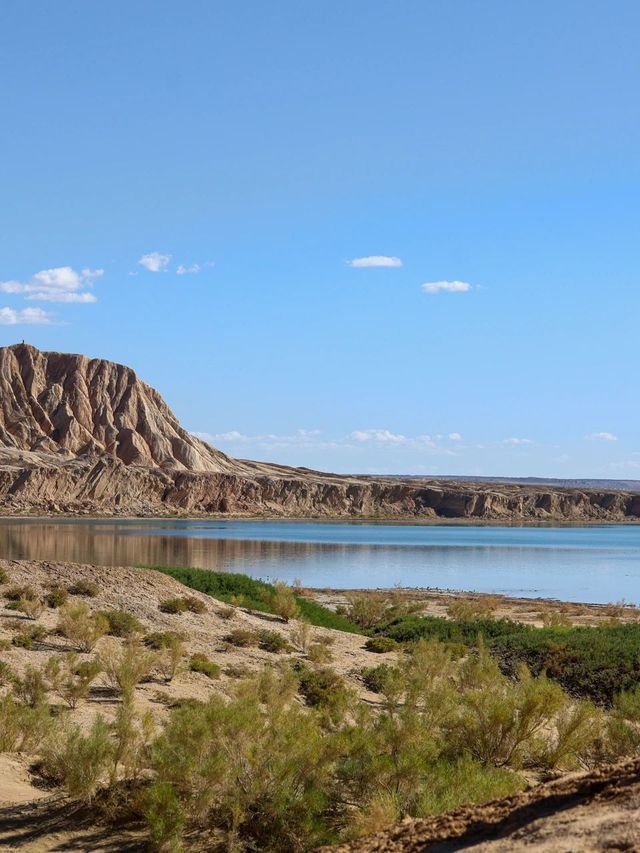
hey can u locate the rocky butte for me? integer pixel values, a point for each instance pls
(83, 435)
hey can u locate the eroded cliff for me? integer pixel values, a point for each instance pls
(80, 435)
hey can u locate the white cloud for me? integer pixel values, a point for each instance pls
(26, 317)
(517, 442)
(375, 261)
(433, 287)
(194, 268)
(454, 436)
(602, 436)
(155, 261)
(59, 284)
(382, 435)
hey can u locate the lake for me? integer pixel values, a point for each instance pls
(583, 563)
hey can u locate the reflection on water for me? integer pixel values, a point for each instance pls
(596, 564)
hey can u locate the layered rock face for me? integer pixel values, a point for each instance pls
(82, 435)
(73, 406)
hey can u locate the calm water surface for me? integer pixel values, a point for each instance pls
(594, 564)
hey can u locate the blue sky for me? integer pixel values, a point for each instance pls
(185, 188)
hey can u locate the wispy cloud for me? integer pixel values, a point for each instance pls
(375, 261)
(155, 261)
(433, 287)
(517, 442)
(25, 317)
(59, 284)
(183, 270)
(602, 436)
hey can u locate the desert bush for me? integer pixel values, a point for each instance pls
(551, 618)
(170, 656)
(87, 588)
(70, 677)
(319, 653)
(376, 678)
(226, 612)
(372, 609)
(302, 636)
(29, 635)
(259, 775)
(173, 605)
(56, 597)
(323, 688)
(242, 637)
(132, 733)
(380, 645)
(22, 728)
(237, 671)
(121, 623)
(80, 626)
(195, 605)
(201, 663)
(78, 761)
(6, 673)
(30, 687)
(271, 641)
(161, 639)
(31, 607)
(4, 576)
(282, 601)
(124, 666)
(499, 720)
(469, 609)
(15, 593)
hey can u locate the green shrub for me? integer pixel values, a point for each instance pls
(126, 665)
(79, 761)
(319, 653)
(322, 687)
(87, 588)
(22, 728)
(4, 575)
(271, 641)
(381, 645)
(375, 678)
(121, 623)
(80, 626)
(70, 677)
(30, 687)
(201, 663)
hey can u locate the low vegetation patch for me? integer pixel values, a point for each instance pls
(589, 662)
(201, 663)
(87, 588)
(242, 591)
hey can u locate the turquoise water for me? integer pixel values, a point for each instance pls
(591, 564)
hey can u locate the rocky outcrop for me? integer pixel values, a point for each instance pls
(80, 435)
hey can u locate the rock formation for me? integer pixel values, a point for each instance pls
(82, 435)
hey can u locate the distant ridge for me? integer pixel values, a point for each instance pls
(556, 482)
(81, 435)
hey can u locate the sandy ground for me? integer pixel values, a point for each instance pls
(530, 611)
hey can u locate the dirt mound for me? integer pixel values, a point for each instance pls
(584, 812)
